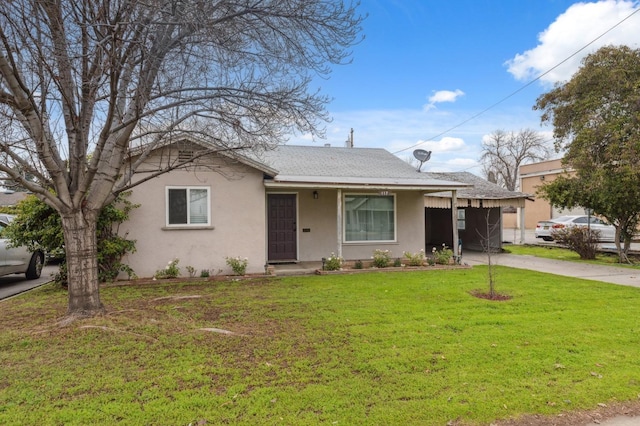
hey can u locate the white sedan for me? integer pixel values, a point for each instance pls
(545, 228)
(18, 260)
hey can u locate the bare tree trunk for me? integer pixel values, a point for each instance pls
(491, 278)
(485, 241)
(82, 262)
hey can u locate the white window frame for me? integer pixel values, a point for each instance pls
(462, 219)
(188, 191)
(345, 214)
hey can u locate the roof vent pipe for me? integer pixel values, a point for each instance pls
(349, 142)
(327, 145)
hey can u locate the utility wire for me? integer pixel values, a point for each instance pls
(523, 87)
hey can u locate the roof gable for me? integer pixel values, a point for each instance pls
(188, 142)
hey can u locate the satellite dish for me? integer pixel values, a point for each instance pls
(422, 156)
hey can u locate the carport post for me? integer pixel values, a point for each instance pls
(339, 224)
(522, 230)
(454, 219)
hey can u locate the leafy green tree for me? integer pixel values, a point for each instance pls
(596, 120)
(38, 225)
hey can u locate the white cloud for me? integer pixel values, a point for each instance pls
(581, 24)
(454, 164)
(402, 131)
(443, 96)
(446, 144)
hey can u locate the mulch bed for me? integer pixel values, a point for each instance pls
(392, 269)
(482, 294)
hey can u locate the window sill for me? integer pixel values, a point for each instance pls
(188, 228)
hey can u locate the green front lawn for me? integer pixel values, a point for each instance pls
(378, 348)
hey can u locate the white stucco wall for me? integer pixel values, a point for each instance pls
(319, 216)
(238, 224)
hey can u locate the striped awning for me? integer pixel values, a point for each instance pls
(445, 203)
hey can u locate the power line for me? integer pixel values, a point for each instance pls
(523, 87)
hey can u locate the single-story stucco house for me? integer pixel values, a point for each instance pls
(291, 204)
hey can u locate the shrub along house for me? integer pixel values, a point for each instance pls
(292, 204)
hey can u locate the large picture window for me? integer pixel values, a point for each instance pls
(188, 206)
(369, 217)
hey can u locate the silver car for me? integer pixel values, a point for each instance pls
(545, 228)
(18, 260)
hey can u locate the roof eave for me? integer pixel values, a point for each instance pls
(360, 186)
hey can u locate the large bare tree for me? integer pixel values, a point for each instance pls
(504, 152)
(82, 82)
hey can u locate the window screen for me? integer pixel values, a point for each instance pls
(369, 218)
(188, 206)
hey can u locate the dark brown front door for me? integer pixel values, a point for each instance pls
(282, 227)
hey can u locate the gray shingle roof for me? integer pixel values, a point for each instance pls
(333, 166)
(482, 189)
(375, 166)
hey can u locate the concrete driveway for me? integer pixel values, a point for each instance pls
(609, 274)
(11, 285)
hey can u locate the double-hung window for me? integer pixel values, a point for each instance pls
(462, 219)
(188, 206)
(369, 217)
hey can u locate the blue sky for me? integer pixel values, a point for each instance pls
(426, 66)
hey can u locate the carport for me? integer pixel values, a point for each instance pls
(478, 212)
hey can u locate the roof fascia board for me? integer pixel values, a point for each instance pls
(426, 188)
(547, 173)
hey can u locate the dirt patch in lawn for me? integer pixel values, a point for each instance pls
(498, 297)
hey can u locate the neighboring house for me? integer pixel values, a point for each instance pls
(479, 213)
(10, 198)
(292, 204)
(534, 175)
